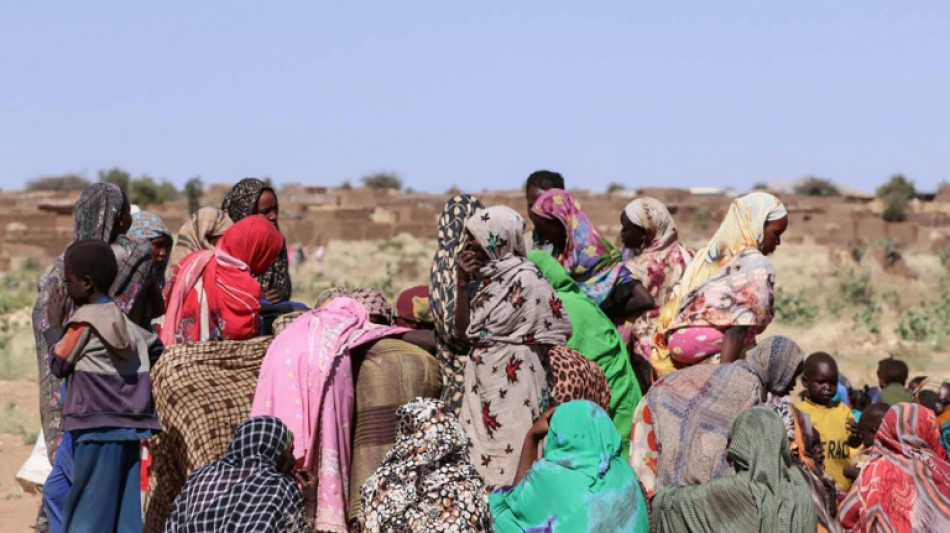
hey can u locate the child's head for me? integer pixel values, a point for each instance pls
(820, 378)
(914, 383)
(90, 269)
(943, 399)
(870, 421)
(892, 371)
(860, 399)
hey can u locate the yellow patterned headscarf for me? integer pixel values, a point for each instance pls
(743, 227)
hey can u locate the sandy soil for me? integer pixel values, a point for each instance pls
(17, 507)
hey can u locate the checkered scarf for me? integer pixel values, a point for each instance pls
(245, 491)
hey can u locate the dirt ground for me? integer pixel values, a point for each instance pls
(17, 507)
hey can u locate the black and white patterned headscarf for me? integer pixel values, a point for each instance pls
(245, 491)
(426, 482)
(241, 202)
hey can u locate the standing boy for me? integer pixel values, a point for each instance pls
(108, 407)
(892, 375)
(830, 418)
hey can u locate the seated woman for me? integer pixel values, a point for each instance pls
(655, 256)
(201, 232)
(149, 229)
(427, 481)
(595, 337)
(580, 483)
(724, 298)
(689, 413)
(593, 262)
(766, 493)
(512, 320)
(906, 484)
(212, 294)
(307, 381)
(252, 196)
(250, 489)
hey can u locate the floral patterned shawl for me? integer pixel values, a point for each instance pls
(425, 473)
(905, 485)
(659, 265)
(592, 261)
(728, 283)
(145, 227)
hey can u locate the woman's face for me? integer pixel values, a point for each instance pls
(631, 235)
(160, 248)
(474, 247)
(267, 206)
(772, 236)
(532, 194)
(550, 231)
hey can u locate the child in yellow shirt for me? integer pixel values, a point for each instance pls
(829, 418)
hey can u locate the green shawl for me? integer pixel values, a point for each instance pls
(597, 339)
(580, 485)
(767, 494)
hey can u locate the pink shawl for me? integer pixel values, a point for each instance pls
(306, 381)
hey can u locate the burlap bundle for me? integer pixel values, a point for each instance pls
(202, 391)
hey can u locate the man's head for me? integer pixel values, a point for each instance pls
(820, 378)
(892, 372)
(943, 399)
(539, 182)
(870, 421)
(90, 269)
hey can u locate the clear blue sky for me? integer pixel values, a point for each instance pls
(478, 94)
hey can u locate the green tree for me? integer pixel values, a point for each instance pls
(117, 176)
(760, 186)
(194, 189)
(146, 191)
(383, 180)
(895, 195)
(615, 187)
(346, 185)
(66, 182)
(815, 186)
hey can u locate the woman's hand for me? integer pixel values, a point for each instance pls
(308, 484)
(271, 295)
(56, 307)
(468, 264)
(540, 428)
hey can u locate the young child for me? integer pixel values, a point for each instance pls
(865, 430)
(892, 374)
(108, 408)
(860, 400)
(829, 418)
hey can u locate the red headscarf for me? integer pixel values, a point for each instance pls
(233, 296)
(906, 483)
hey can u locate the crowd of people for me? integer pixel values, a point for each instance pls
(575, 387)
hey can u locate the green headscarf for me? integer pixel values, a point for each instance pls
(766, 494)
(597, 339)
(580, 485)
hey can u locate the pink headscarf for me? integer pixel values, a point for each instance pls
(306, 380)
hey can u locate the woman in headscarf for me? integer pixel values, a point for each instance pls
(906, 484)
(580, 484)
(592, 261)
(942, 409)
(201, 232)
(512, 320)
(147, 228)
(250, 489)
(211, 294)
(595, 337)
(252, 196)
(808, 457)
(306, 380)
(452, 350)
(427, 481)
(689, 413)
(655, 256)
(102, 212)
(724, 298)
(765, 494)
